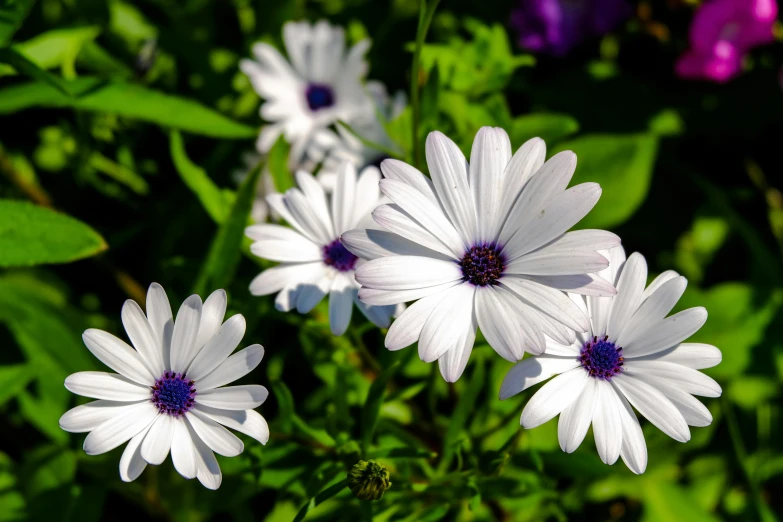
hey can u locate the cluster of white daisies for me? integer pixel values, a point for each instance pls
(483, 244)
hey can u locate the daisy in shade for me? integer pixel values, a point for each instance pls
(482, 245)
(166, 395)
(314, 262)
(321, 85)
(632, 355)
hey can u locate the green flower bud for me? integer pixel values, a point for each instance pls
(368, 480)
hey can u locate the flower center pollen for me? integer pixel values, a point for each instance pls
(482, 265)
(319, 96)
(338, 257)
(601, 358)
(173, 394)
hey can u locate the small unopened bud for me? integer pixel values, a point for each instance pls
(368, 480)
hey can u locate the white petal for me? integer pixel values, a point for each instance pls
(249, 422)
(629, 294)
(380, 316)
(212, 314)
(599, 308)
(688, 379)
(426, 213)
(489, 156)
(406, 329)
(533, 370)
(575, 418)
(368, 195)
(585, 240)
(607, 426)
(276, 278)
(340, 305)
(183, 453)
(658, 281)
(152, 338)
(285, 300)
(316, 200)
(270, 231)
(449, 171)
(371, 244)
(693, 411)
(244, 397)
(545, 263)
(524, 163)
(553, 397)
(633, 450)
(505, 327)
(407, 273)
(207, 468)
(551, 328)
(452, 363)
(654, 406)
(278, 203)
(233, 368)
(157, 443)
(218, 348)
(109, 386)
(391, 297)
(401, 171)
(118, 356)
(131, 463)
(311, 294)
(693, 355)
(667, 333)
(300, 207)
(548, 300)
(448, 325)
(396, 220)
(218, 438)
(554, 219)
(89, 416)
(565, 350)
(120, 428)
(183, 341)
(344, 198)
(299, 250)
(652, 311)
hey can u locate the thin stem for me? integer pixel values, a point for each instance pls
(35, 193)
(426, 13)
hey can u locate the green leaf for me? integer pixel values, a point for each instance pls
(214, 201)
(14, 379)
(751, 391)
(128, 101)
(372, 405)
(24, 66)
(461, 414)
(622, 165)
(667, 501)
(12, 14)
(31, 235)
(547, 126)
(320, 498)
(57, 48)
(226, 250)
(285, 405)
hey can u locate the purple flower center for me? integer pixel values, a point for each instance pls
(482, 265)
(338, 257)
(319, 96)
(173, 394)
(601, 358)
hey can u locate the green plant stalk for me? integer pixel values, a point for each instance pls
(426, 13)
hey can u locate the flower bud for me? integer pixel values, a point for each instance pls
(368, 480)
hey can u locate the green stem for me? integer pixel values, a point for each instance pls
(426, 13)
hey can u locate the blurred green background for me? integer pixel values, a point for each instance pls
(133, 118)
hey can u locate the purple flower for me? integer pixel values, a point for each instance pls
(556, 26)
(721, 33)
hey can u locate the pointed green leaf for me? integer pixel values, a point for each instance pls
(372, 406)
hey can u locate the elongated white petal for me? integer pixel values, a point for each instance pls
(553, 397)
(448, 324)
(207, 467)
(657, 282)
(375, 297)
(575, 418)
(118, 356)
(585, 240)
(693, 355)
(652, 311)
(316, 198)
(233, 368)
(131, 463)
(654, 406)
(368, 196)
(688, 379)
(380, 316)
(667, 333)
(270, 231)
(524, 163)
(344, 198)
(340, 305)
(301, 208)
(452, 363)
(215, 436)
(629, 294)
(401, 171)
(405, 330)
(396, 220)
(371, 244)
(244, 397)
(533, 370)
(300, 250)
(109, 386)
(599, 308)
(506, 328)
(544, 263)
(311, 294)
(633, 450)
(407, 273)
(449, 171)
(152, 339)
(183, 452)
(489, 156)
(119, 428)
(249, 422)
(89, 416)
(212, 314)
(276, 278)
(607, 425)
(218, 348)
(693, 411)
(278, 203)
(157, 443)
(548, 300)
(183, 341)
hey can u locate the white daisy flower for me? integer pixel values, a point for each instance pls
(321, 85)
(632, 355)
(313, 260)
(330, 149)
(166, 394)
(482, 245)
